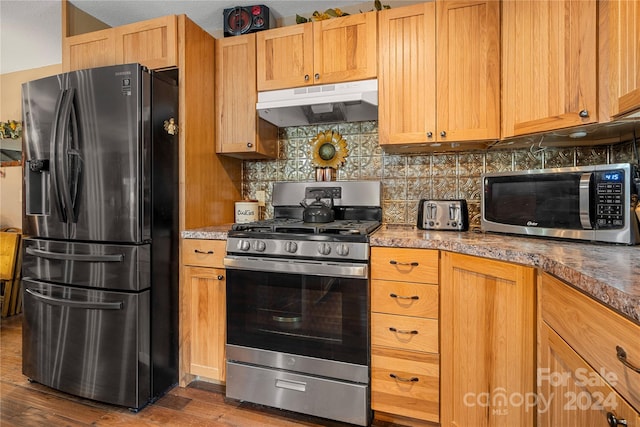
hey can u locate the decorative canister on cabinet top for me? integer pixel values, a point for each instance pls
(246, 211)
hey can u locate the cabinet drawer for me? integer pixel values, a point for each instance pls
(405, 383)
(405, 265)
(203, 253)
(594, 332)
(404, 332)
(404, 298)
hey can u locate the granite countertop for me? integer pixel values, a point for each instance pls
(609, 273)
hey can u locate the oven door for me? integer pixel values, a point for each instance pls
(324, 317)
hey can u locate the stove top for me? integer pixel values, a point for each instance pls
(297, 226)
(356, 205)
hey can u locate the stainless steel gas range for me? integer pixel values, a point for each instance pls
(298, 330)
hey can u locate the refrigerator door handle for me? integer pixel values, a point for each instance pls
(69, 161)
(75, 257)
(75, 304)
(55, 166)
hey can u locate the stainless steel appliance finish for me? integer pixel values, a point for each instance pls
(298, 328)
(443, 215)
(595, 203)
(319, 396)
(100, 273)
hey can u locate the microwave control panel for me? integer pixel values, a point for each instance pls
(610, 200)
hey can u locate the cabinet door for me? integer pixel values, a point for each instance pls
(235, 101)
(571, 393)
(624, 49)
(285, 57)
(204, 313)
(345, 49)
(549, 65)
(407, 84)
(95, 49)
(487, 341)
(468, 70)
(152, 43)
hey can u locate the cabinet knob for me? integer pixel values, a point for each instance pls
(317, 76)
(306, 77)
(429, 134)
(220, 277)
(443, 133)
(584, 113)
(614, 421)
(249, 144)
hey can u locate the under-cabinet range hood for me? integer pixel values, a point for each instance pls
(330, 103)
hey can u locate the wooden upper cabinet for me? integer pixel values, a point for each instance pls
(468, 70)
(285, 57)
(152, 43)
(95, 49)
(239, 131)
(434, 92)
(407, 84)
(329, 51)
(549, 65)
(624, 55)
(345, 49)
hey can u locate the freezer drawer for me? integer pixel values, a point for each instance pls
(116, 267)
(89, 343)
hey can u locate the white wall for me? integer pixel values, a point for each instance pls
(30, 34)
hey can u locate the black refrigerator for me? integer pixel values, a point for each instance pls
(100, 261)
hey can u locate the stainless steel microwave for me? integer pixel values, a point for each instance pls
(595, 203)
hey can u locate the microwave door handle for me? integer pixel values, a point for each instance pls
(584, 199)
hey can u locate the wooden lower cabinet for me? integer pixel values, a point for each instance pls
(203, 311)
(571, 393)
(581, 379)
(487, 342)
(405, 359)
(405, 383)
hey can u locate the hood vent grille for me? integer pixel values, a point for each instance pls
(340, 102)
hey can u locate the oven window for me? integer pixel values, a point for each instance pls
(323, 317)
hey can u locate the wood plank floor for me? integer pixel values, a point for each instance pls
(201, 404)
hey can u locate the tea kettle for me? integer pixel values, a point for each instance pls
(318, 211)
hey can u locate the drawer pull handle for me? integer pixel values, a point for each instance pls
(622, 357)
(405, 380)
(198, 251)
(403, 331)
(614, 421)
(412, 264)
(414, 297)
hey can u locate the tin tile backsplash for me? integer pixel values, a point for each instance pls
(407, 178)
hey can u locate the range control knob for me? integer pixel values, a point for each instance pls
(342, 250)
(291, 247)
(244, 245)
(324, 249)
(260, 245)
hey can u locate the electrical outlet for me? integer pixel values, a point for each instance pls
(260, 195)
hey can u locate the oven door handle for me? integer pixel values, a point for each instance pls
(304, 267)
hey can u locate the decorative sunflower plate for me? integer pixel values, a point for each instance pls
(328, 149)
